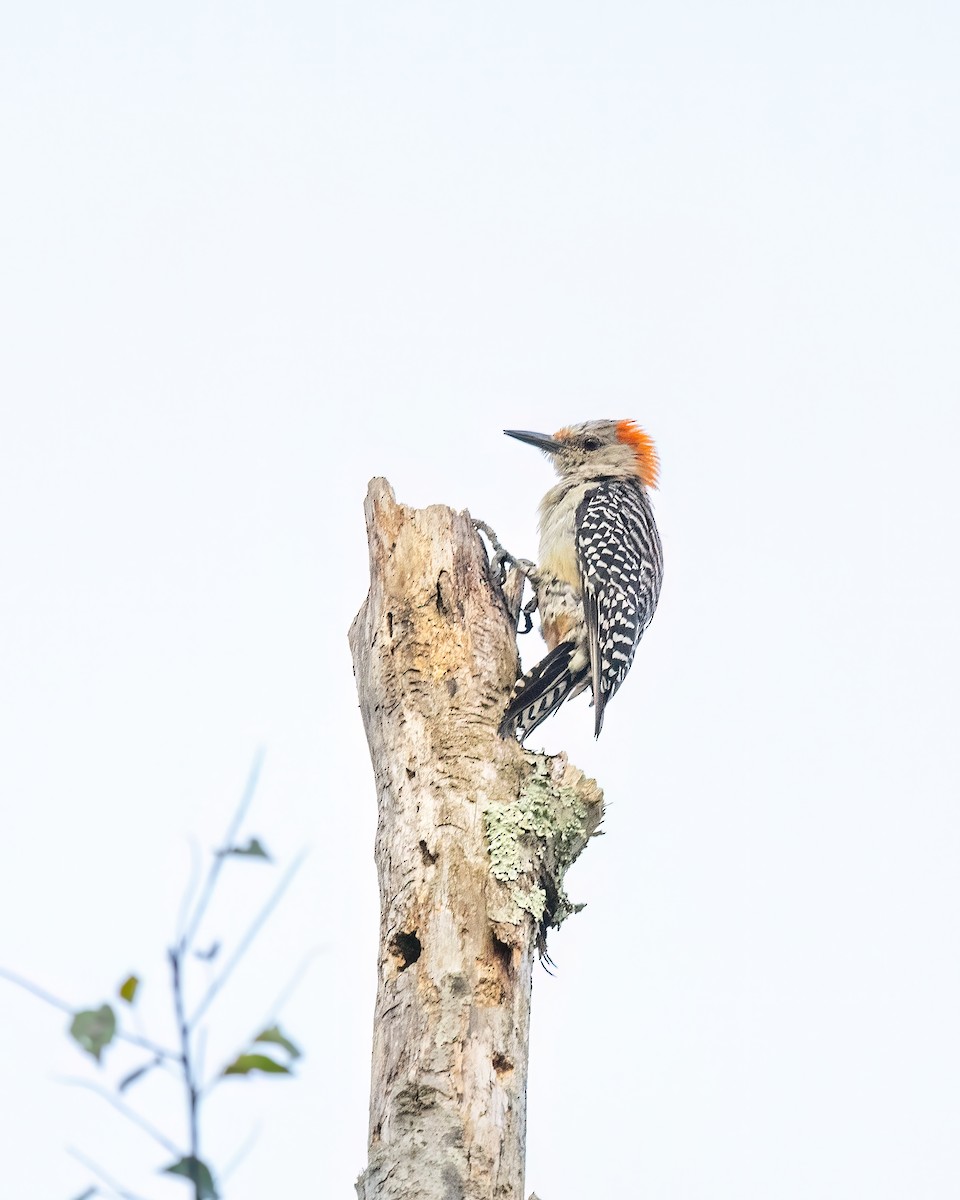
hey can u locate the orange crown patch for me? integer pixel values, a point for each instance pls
(648, 461)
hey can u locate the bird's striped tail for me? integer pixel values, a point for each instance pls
(541, 691)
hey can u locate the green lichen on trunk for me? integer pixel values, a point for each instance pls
(535, 839)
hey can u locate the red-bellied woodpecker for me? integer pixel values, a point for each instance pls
(598, 578)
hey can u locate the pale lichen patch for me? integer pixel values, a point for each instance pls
(535, 838)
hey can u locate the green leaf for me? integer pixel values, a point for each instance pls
(253, 849)
(243, 1064)
(94, 1028)
(198, 1173)
(128, 989)
(274, 1035)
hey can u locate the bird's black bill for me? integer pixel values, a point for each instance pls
(541, 440)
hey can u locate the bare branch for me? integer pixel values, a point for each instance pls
(193, 925)
(244, 944)
(274, 1011)
(102, 1175)
(245, 1148)
(55, 1002)
(189, 1080)
(190, 891)
(131, 1114)
(292, 984)
(35, 990)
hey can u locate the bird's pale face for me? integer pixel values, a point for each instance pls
(593, 445)
(595, 448)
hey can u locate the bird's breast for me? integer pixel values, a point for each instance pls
(558, 547)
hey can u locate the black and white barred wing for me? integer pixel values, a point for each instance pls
(621, 565)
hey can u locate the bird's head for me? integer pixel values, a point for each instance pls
(598, 448)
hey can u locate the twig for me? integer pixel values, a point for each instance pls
(273, 1011)
(292, 984)
(55, 1002)
(188, 1076)
(36, 990)
(200, 1058)
(130, 1113)
(138, 1073)
(186, 940)
(190, 890)
(102, 1175)
(241, 1154)
(244, 943)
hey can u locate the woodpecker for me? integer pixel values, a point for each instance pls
(598, 578)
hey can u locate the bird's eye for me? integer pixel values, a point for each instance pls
(591, 443)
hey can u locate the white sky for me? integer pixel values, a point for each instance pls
(256, 253)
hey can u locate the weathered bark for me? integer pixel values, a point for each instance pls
(473, 839)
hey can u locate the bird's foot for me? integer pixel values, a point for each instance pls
(527, 613)
(502, 558)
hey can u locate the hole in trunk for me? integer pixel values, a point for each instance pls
(406, 946)
(504, 955)
(502, 1064)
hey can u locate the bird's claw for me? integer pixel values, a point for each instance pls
(501, 558)
(527, 613)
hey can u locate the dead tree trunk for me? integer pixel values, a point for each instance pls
(473, 839)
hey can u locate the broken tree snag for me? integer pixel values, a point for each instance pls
(474, 835)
